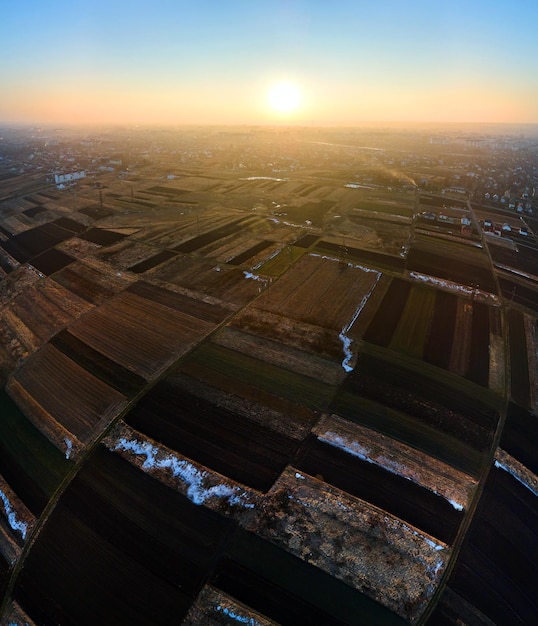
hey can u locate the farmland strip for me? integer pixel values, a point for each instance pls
(495, 577)
(196, 308)
(153, 261)
(28, 461)
(391, 492)
(123, 380)
(383, 325)
(413, 327)
(82, 283)
(519, 373)
(520, 436)
(245, 256)
(439, 343)
(58, 384)
(226, 442)
(478, 370)
(289, 590)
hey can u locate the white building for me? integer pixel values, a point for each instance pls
(68, 178)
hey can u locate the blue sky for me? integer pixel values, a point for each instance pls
(213, 61)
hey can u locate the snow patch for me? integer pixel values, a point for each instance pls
(11, 514)
(364, 454)
(69, 447)
(513, 472)
(242, 619)
(446, 284)
(254, 276)
(279, 180)
(347, 341)
(185, 471)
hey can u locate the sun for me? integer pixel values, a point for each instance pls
(284, 97)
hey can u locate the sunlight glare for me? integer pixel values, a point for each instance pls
(284, 97)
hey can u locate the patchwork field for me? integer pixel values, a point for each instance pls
(286, 396)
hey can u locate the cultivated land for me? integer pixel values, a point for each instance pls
(284, 375)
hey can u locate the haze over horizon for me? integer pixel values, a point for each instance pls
(169, 62)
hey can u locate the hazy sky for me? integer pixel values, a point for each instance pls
(213, 61)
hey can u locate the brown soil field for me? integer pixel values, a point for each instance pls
(143, 336)
(309, 291)
(205, 277)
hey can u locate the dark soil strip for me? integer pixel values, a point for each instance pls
(429, 400)
(439, 344)
(478, 370)
(34, 211)
(245, 256)
(382, 327)
(32, 466)
(520, 436)
(401, 497)
(223, 441)
(152, 262)
(100, 366)
(96, 212)
(167, 191)
(82, 286)
(450, 269)
(196, 308)
(290, 591)
(519, 363)
(90, 580)
(203, 240)
(359, 255)
(306, 241)
(102, 237)
(518, 293)
(61, 234)
(498, 564)
(410, 430)
(51, 261)
(175, 539)
(70, 225)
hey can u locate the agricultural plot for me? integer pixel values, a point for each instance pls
(96, 212)
(29, 463)
(34, 211)
(441, 328)
(230, 444)
(104, 532)
(348, 253)
(281, 262)
(93, 284)
(319, 291)
(387, 490)
(521, 258)
(152, 261)
(246, 376)
(519, 291)
(206, 239)
(231, 285)
(520, 388)
(32, 242)
(520, 436)
(496, 571)
(119, 378)
(450, 404)
(141, 334)
(461, 264)
(52, 261)
(49, 385)
(38, 312)
(102, 236)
